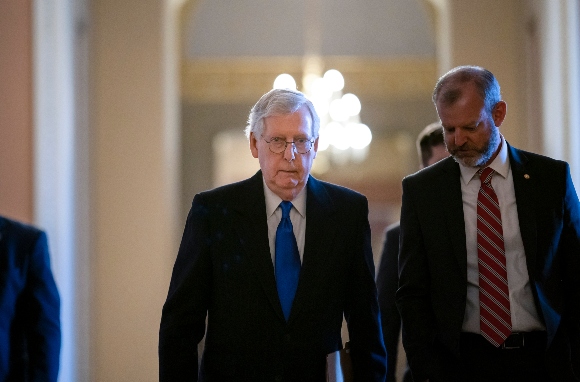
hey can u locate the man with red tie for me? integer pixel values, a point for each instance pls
(490, 251)
(274, 263)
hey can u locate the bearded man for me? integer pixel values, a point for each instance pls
(490, 251)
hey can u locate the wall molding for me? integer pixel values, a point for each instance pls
(245, 79)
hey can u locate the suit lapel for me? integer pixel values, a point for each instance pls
(252, 229)
(452, 202)
(320, 232)
(524, 186)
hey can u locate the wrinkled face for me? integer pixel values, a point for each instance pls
(285, 173)
(471, 134)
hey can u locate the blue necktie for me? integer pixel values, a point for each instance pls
(287, 260)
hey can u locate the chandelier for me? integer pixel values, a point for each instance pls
(342, 136)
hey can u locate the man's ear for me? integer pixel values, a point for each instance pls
(315, 147)
(253, 145)
(499, 112)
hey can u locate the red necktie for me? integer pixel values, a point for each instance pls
(494, 303)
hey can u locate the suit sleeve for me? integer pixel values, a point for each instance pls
(184, 312)
(43, 315)
(413, 295)
(362, 310)
(570, 245)
(387, 283)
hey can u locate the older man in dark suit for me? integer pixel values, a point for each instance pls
(490, 251)
(274, 262)
(29, 306)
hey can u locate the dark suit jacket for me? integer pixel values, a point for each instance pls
(387, 284)
(433, 261)
(29, 306)
(224, 269)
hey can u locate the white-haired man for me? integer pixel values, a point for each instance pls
(274, 262)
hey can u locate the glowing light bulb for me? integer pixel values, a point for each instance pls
(351, 104)
(337, 111)
(320, 89)
(334, 79)
(359, 135)
(284, 81)
(337, 135)
(323, 138)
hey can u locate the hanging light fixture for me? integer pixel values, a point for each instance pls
(341, 132)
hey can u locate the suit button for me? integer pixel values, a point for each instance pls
(287, 338)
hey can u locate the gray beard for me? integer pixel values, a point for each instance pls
(488, 151)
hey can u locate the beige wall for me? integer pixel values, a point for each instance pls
(134, 194)
(488, 33)
(16, 109)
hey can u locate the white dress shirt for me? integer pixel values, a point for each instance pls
(523, 311)
(297, 217)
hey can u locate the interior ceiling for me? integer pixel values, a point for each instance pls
(384, 28)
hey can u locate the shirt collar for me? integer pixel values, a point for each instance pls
(500, 164)
(273, 201)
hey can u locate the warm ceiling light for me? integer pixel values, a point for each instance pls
(285, 81)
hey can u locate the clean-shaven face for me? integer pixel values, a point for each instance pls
(285, 173)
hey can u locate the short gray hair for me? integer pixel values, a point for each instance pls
(447, 90)
(280, 102)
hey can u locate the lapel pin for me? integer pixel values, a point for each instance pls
(526, 176)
